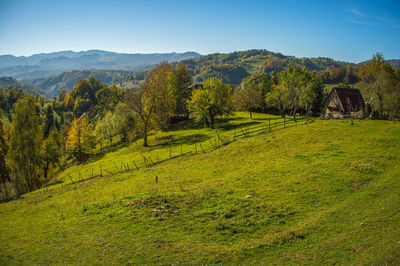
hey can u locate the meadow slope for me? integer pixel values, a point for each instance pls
(326, 192)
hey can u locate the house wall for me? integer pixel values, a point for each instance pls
(338, 114)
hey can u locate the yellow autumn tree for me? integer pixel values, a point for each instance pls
(80, 139)
(69, 103)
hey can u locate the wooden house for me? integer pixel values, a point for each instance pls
(344, 102)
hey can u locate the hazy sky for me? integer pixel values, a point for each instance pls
(343, 30)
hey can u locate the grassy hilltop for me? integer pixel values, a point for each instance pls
(326, 192)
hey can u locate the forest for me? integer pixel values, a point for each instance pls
(40, 136)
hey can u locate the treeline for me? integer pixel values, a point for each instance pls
(45, 135)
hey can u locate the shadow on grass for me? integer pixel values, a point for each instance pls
(100, 154)
(55, 183)
(190, 139)
(227, 126)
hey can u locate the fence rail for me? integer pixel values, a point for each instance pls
(271, 126)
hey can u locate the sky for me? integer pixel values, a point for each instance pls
(344, 30)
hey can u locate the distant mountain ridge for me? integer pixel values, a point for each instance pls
(46, 64)
(7, 82)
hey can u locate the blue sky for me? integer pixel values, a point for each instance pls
(343, 30)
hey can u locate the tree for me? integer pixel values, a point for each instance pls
(181, 89)
(296, 89)
(153, 101)
(52, 148)
(69, 103)
(311, 93)
(48, 121)
(375, 74)
(62, 95)
(107, 99)
(215, 99)
(160, 93)
(24, 155)
(144, 106)
(107, 127)
(276, 98)
(4, 172)
(80, 140)
(391, 97)
(249, 99)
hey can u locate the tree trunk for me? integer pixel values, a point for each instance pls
(212, 121)
(145, 136)
(380, 106)
(46, 169)
(207, 123)
(251, 115)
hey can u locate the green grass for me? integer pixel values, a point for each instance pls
(321, 193)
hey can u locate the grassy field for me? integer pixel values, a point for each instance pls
(321, 193)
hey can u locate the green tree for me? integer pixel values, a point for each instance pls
(249, 99)
(215, 99)
(297, 89)
(107, 127)
(107, 99)
(24, 155)
(52, 148)
(4, 172)
(376, 73)
(49, 121)
(181, 89)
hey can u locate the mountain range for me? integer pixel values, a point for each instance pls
(47, 74)
(46, 64)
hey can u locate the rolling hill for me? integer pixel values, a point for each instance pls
(319, 193)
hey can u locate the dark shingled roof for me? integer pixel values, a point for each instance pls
(350, 99)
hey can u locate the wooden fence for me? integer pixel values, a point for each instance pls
(274, 125)
(212, 144)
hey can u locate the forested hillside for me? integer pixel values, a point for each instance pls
(233, 67)
(54, 84)
(6, 82)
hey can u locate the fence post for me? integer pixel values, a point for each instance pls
(202, 148)
(69, 175)
(135, 164)
(116, 167)
(101, 171)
